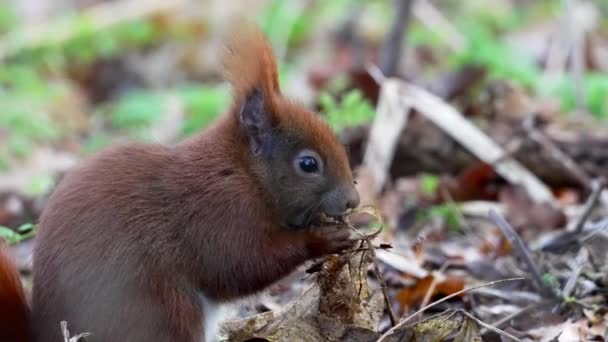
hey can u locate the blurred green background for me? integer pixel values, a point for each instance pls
(77, 76)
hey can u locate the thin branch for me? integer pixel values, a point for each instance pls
(567, 162)
(499, 323)
(393, 45)
(490, 327)
(436, 276)
(594, 231)
(383, 287)
(581, 259)
(598, 187)
(407, 320)
(523, 252)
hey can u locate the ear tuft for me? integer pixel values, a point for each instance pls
(249, 62)
(257, 123)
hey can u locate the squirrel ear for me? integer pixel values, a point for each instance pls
(256, 121)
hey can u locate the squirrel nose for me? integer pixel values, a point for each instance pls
(352, 198)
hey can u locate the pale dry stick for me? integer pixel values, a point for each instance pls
(452, 122)
(490, 327)
(407, 320)
(437, 275)
(523, 252)
(375, 72)
(100, 17)
(391, 119)
(66, 333)
(401, 263)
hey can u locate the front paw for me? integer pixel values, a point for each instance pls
(329, 240)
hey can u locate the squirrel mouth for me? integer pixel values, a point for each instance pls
(319, 219)
(328, 219)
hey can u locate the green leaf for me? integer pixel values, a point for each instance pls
(136, 110)
(429, 184)
(9, 235)
(203, 105)
(40, 185)
(26, 227)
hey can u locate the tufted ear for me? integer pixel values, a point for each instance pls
(249, 62)
(256, 122)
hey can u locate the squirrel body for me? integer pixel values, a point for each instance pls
(145, 242)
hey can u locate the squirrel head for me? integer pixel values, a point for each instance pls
(290, 151)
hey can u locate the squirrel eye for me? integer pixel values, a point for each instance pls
(308, 164)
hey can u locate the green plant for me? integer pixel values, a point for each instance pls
(25, 96)
(551, 280)
(8, 18)
(595, 93)
(137, 110)
(501, 60)
(23, 232)
(203, 104)
(281, 22)
(448, 212)
(40, 185)
(89, 43)
(352, 111)
(429, 184)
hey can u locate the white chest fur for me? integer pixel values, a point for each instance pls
(213, 313)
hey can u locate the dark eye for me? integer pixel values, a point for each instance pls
(308, 164)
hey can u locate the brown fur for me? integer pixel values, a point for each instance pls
(133, 237)
(14, 312)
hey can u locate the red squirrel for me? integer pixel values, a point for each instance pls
(145, 242)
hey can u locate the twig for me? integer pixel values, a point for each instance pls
(390, 55)
(383, 287)
(66, 333)
(523, 252)
(490, 327)
(405, 321)
(569, 164)
(598, 187)
(499, 323)
(436, 276)
(594, 231)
